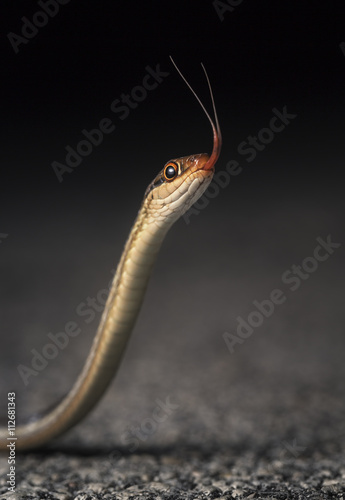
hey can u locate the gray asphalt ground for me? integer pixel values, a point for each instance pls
(186, 418)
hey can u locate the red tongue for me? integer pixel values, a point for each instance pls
(217, 136)
(217, 144)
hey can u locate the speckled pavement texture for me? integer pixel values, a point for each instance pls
(186, 418)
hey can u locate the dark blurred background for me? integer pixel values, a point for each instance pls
(59, 241)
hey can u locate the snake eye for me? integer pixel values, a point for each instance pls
(170, 171)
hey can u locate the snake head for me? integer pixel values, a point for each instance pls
(183, 180)
(178, 185)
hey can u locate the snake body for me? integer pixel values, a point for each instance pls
(177, 186)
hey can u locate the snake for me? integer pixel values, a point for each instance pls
(177, 186)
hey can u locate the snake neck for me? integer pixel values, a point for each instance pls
(118, 319)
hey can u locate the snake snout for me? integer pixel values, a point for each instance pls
(199, 161)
